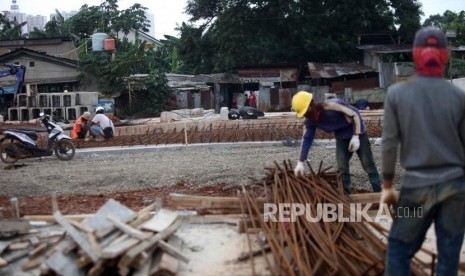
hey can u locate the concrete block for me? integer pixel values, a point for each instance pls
(13, 114)
(47, 110)
(44, 100)
(24, 114)
(224, 111)
(69, 99)
(21, 100)
(57, 99)
(34, 112)
(72, 113)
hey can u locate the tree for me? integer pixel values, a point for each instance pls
(57, 27)
(10, 30)
(451, 21)
(229, 33)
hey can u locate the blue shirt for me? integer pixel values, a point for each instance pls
(337, 116)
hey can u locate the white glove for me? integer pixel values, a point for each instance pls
(354, 143)
(299, 169)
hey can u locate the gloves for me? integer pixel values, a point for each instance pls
(354, 143)
(299, 169)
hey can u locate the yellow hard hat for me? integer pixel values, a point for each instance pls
(301, 102)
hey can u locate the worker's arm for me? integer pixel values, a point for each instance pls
(307, 140)
(390, 140)
(389, 144)
(348, 112)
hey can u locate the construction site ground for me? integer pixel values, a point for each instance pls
(150, 159)
(139, 167)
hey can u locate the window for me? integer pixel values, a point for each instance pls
(32, 64)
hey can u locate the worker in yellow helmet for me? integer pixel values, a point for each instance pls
(338, 116)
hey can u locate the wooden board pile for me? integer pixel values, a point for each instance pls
(113, 241)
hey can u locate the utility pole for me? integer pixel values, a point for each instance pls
(450, 35)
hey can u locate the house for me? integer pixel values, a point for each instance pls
(58, 47)
(274, 85)
(343, 80)
(150, 41)
(45, 74)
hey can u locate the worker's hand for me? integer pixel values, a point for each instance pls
(354, 143)
(390, 197)
(299, 169)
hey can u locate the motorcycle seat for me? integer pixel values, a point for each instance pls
(32, 134)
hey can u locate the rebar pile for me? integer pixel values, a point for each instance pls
(226, 133)
(304, 247)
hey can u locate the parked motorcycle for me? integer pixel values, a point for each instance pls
(20, 144)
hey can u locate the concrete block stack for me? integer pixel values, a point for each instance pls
(68, 105)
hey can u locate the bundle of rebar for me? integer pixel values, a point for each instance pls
(300, 246)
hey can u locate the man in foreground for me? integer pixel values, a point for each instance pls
(425, 115)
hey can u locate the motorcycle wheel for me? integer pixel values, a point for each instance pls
(65, 150)
(9, 153)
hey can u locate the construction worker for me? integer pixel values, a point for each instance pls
(101, 125)
(425, 115)
(338, 116)
(81, 126)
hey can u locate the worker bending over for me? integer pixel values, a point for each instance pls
(338, 116)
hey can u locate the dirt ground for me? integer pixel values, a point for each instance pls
(137, 178)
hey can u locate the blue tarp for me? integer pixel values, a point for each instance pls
(7, 90)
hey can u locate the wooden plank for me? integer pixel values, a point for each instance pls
(126, 228)
(145, 269)
(117, 249)
(34, 240)
(14, 205)
(50, 234)
(112, 207)
(190, 201)
(15, 255)
(81, 227)
(19, 245)
(33, 263)
(173, 251)
(93, 243)
(12, 227)
(3, 262)
(212, 219)
(63, 264)
(161, 220)
(165, 263)
(147, 244)
(38, 250)
(365, 198)
(134, 218)
(76, 236)
(51, 219)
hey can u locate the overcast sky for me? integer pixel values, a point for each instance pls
(169, 13)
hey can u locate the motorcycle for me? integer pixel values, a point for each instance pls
(23, 143)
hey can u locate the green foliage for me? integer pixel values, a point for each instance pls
(225, 34)
(449, 21)
(10, 30)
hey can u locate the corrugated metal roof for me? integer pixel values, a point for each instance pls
(386, 49)
(333, 70)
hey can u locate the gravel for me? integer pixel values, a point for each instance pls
(98, 171)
